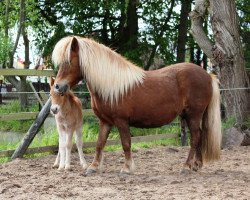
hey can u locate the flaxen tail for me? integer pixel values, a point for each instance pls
(211, 126)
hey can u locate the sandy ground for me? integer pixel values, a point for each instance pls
(157, 176)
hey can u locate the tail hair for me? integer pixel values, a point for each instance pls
(211, 125)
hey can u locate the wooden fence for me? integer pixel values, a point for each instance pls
(54, 148)
(32, 115)
(22, 72)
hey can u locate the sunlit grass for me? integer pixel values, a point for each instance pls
(90, 134)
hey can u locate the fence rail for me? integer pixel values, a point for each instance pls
(26, 72)
(33, 115)
(54, 148)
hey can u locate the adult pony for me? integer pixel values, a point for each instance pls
(125, 95)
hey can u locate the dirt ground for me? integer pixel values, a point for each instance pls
(157, 176)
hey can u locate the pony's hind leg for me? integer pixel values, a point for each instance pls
(102, 138)
(79, 145)
(194, 161)
(128, 167)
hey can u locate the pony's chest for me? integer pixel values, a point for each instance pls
(65, 122)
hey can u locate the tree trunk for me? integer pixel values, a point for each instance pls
(128, 27)
(23, 97)
(226, 53)
(131, 30)
(182, 30)
(105, 20)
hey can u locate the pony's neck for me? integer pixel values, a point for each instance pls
(108, 74)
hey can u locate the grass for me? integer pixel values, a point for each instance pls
(226, 124)
(16, 125)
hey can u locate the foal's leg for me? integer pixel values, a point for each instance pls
(62, 149)
(102, 138)
(68, 148)
(124, 131)
(194, 161)
(56, 163)
(79, 148)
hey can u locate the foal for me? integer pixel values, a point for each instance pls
(67, 109)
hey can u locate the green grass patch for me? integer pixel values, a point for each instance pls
(14, 106)
(228, 123)
(4, 160)
(90, 134)
(21, 126)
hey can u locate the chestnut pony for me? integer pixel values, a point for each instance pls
(125, 95)
(67, 109)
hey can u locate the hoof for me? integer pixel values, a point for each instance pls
(55, 166)
(84, 166)
(196, 166)
(90, 172)
(60, 169)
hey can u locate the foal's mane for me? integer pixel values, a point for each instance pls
(107, 72)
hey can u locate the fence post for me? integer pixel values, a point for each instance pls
(26, 141)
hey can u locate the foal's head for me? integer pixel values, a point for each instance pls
(69, 73)
(57, 99)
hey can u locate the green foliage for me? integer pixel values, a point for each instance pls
(228, 123)
(247, 123)
(154, 14)
(243, 8)
(5, 47)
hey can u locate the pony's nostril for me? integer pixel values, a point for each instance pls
(57, 86)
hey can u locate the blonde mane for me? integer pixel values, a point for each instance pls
(107, 72)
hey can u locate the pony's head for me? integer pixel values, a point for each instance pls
(65, 57)
(107, 73)
(57, 99)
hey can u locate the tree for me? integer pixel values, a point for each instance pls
(116, 24)
(15, 13)
(183, 30)
(225, 52)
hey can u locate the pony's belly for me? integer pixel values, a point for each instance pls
(151, 123)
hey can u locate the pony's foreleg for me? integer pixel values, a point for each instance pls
(102, 138)
(124, 131)
(68, 148)
(62, 149)
(79, 148)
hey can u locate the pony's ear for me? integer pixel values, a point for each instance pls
(74, 45)
(52, 80)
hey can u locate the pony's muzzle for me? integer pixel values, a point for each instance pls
(54, 109)
(61, 88)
